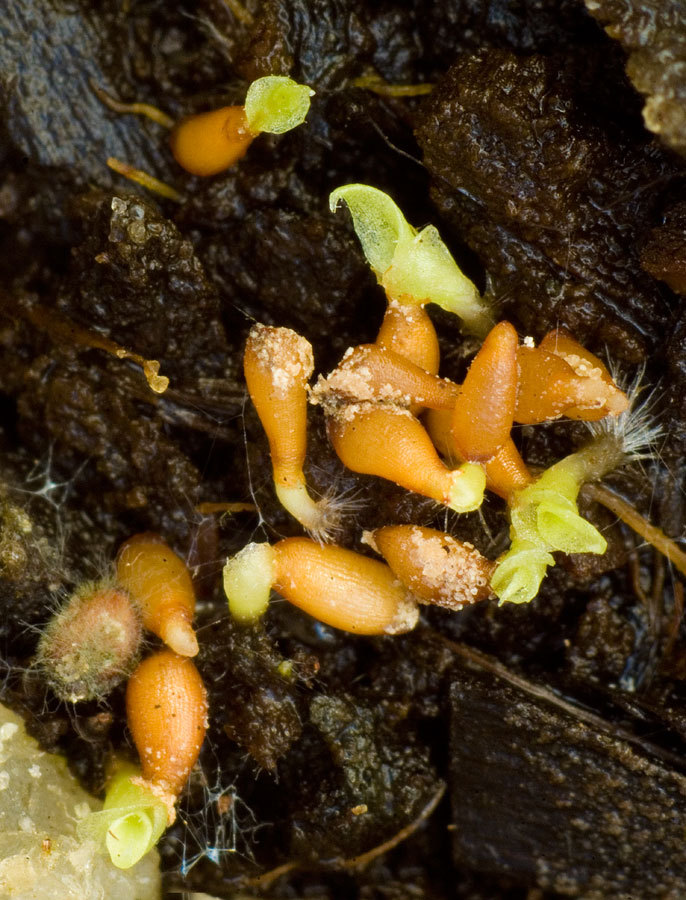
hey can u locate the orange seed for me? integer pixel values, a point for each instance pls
(277, 364)
(483, 413)
(586, 365)
(390, 442)
(160, 584)
(436, 567)
(210, 142)
(549, 388)
(342, 588)
(166, 709)
(375, 374)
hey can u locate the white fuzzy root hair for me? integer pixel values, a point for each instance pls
(326, 525)
(635, 431)
(325, 519)
(636, 435)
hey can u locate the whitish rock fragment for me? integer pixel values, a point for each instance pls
(40, 856)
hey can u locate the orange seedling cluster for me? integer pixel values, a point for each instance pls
(391, 415)
(373, 399)
(93, 643)
(372, 402)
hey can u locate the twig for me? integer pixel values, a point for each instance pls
(136, 109)
(359, 862)
(379, 86)
(145, 180)
(61, 329)
(354, 862)
(626, 512)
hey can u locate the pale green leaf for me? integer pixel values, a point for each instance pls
(131, 822)
(518, 575)
(276, 104)
(564, 529)
(379, 224)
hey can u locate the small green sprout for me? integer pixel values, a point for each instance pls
(131, 821)
(248, 580)
(544, 517)
(411, 266)
(210, 142)
(520, 572)
(276, 104)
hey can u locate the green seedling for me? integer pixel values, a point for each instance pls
(544, 516)
(412, 266)
(131, 821)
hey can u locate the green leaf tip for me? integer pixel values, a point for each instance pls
(248, 579)
(412, 266)
(378, 222)
(564, 529)
(130, 823)
(544, 517)
(519, 573)
(276, 104)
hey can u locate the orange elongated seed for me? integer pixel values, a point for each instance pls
(587, 365)
(210, 142)
(342, 588)
(408, 331)
(549, 388)
(166, 711)
(277, 364)
(483, 413)
(390, 442)
(436, 567)
(91, 644)
(160, 584)
(376, 374)
(505, 472)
